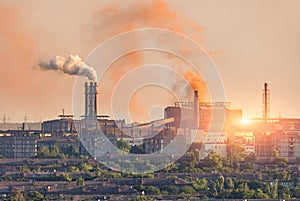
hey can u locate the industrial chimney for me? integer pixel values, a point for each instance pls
(196, 110)
(266, 102)
(91, 100)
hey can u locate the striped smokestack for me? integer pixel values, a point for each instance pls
(91, 100)
(196, 111)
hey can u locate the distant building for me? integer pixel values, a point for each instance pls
(243, 138)
(32, 126)
(216, 142)
(167, 141)
(58, 127)
(7, 146)
(25, 146)
(183, 114)
(18, 146)
(287, 144)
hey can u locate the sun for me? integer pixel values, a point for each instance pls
(246, 121)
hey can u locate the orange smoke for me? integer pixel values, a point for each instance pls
(197, 84)
(24, 89)
(117, 18)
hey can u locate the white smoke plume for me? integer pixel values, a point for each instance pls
(72, 65)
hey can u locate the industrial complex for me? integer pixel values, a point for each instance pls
(191, 122)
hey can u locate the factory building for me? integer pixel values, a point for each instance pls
(60, 127)
(183, 115)
(167, 141)
(199, 115)
(287, 144)
(32, 126)
(216, 142)
(21, 145)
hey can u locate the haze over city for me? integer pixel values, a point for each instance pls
(251, 42)
(149, 100)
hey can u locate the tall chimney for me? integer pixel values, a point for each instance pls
(196, 111)
(86, 93)
(95, 100)
(91, 100)
(266, 102)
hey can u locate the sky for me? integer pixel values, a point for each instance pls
(251, 42)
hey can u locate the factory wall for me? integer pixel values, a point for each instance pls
(185, 116)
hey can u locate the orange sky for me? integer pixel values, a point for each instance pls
(250, 41)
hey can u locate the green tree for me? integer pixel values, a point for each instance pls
(66, 177)
(277, 160)
(43, 152)
(36, 168)
(268, 190)
(23, 168)
(35, 196)
(235, 151)
(212, 162)
(195, 155)
(151, 190)
(142, 198)
(54, 151)
(70, 151)
(283, 192)
(86, 167)
(259, 176)
(18, 196)
(275, 153)
(121, 144)
(220, 184)
(213, 188)
(251, 157)
(188, 190)
(274, 189)
(200, 185)
(259, 194)
(73, 169)
(169, 189)
(296, 192)
(229, 184)
(80, 181)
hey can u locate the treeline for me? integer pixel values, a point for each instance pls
(229, 188)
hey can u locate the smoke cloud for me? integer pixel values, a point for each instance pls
(197, 84)
(71, 65)
(117, 18)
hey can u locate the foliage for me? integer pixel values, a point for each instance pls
(277, 160)
(23, 168)
(148, 190)
(66, 177)
(18, 196)
(35, 196)
(123, 145)
(80, 181)
(295, 192)
(142, 198)
(85, 167)
(274, 189)
(54, 152)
